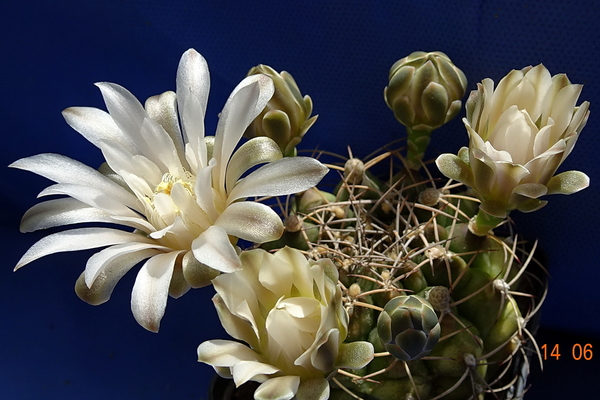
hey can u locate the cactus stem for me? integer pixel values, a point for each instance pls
(483, 223)
(417, 144)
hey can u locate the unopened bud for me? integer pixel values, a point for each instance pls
(285, 119)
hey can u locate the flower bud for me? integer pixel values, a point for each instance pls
(408, 327)
(285, 119)
(425, 90)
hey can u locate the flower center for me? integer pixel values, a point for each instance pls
(168, 180)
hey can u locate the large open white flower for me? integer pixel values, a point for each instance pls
(290, 312)
(183, 194)
(520, 133)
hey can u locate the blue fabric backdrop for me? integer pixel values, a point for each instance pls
(53, 346)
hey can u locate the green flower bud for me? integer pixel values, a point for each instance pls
(285, 119)
(408, 327)
(425, 90)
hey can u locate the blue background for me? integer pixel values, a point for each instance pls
(54, 346)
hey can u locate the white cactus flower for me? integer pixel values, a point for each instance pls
(182, 194)
(520, 133)
(290, 313)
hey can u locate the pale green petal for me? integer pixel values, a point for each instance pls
(484, 172)
(434, 100)
(280, 388)
(313, 389)
(531, 205)
(508, 176)
(355, 355)
(568, 182)
(276, 125)
(197, 274)
(454, 167)
(178, 285)
(531, 190)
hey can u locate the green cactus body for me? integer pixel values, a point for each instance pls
(403, 238)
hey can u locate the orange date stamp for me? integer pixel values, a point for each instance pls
(578, 352)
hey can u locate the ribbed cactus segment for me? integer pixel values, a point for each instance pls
(442, 307)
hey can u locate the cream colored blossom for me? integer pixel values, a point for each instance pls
(520, 133)
(181, 194)
(290, 313)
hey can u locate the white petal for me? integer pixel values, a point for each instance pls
(193, 85)
(214, 249)
(125, 110)
(130, 117)
(188, 207)
(251, 221)
(163, 109)
(90, 196)
(96, 125)
(256, 151)
(59, 212)
(243, 371)
(122, 162)
(285, 176)
(564, 106)
(280, 388)
(120, 254)
(78, 239)
(236, 327)
(225, 353)
(151, 289)
(108, 276)
(246, 101)
(204, 190)
(63, 169)
(164, 153)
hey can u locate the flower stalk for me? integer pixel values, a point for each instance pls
(483, 223)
